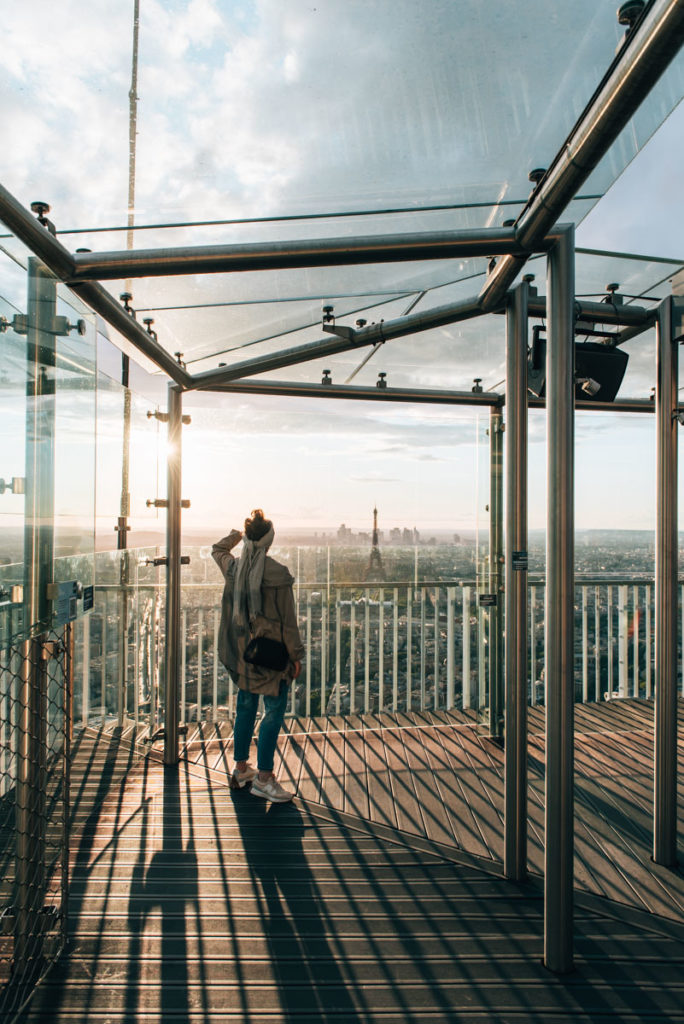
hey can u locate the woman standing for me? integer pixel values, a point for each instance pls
(257, 585)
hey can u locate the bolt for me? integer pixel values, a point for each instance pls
(629, 13)
(536, 175)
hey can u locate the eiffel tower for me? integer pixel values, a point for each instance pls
(375, 572)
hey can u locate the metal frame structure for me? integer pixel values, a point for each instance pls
(648, 50)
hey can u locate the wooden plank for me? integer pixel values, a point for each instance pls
(355, 782)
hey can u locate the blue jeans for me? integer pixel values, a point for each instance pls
(245, 716)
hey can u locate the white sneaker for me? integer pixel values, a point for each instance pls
(240, 779)
(271, 790)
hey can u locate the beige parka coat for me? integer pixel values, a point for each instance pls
(277, 607)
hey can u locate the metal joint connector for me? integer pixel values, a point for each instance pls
(157, 503)
(163, 417)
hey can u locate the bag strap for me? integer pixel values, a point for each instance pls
(280, 618)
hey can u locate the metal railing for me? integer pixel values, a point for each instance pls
(35, 724)
(368, 648)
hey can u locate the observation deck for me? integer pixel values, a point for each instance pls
(377, 895)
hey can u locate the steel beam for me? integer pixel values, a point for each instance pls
(600, 312)
(173, 576)
(104, 303)
(559, 849)
(516, 666)
(332, 344)
(35, 236)
(665, 739)
(633, 73)
(351, 392)
(324, 252)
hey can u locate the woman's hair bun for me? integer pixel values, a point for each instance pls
(256, 526)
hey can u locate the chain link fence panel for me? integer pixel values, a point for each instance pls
(35, 728)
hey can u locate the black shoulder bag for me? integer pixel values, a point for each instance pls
(266, 651)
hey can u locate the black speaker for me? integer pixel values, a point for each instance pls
(599, 369)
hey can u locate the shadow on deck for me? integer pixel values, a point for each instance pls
(376, 896)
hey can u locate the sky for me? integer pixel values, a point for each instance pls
(261, 108)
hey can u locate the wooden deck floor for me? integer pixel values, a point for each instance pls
(376, 896)
(434, 775)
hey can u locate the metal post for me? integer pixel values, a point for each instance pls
(665, 766)
(496, 639)
(466, 696)
(516, 663)
(558, 853)
(173, 576)
(38, 568)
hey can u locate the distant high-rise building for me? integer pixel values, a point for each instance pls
(375, 572)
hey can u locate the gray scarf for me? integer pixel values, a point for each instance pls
(248, 578)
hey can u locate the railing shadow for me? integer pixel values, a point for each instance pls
(170, 885)
(291, 910)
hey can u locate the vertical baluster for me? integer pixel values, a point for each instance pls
(635, 641)
(681, 601)
(366, 654)
(309, 648)
(214, 701)
(136, 662)
(395, 650)
(5, 682)
(585, 647)
(533, 645)
(338, 650)
(184, 665)
(85, 692)
(597, 648)
(450, 649)
(648, 643)
(352, 665)
(436, 683)
(325, 604)
(609, 637)
(381, 652)
(200, 652)
(409, 644)
(623, 646)
(465, 685)
(423, 652)
(103, 666)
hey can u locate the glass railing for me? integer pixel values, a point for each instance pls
(368, 648)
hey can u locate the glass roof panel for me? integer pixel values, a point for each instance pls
(357, 118)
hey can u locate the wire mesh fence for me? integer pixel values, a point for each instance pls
(35, 725)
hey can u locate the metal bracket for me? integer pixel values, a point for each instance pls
(678, 415)
(60, 325)
(16, 486)
(348, 333)
(163, 560)
(163, 417)
(163, 503)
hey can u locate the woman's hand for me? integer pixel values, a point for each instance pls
(297, 669)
